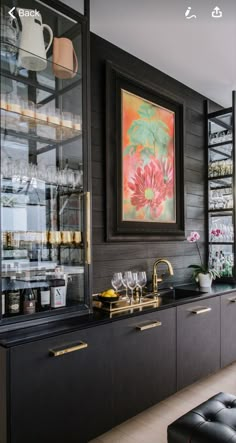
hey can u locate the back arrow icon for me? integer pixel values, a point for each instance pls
(11, 12)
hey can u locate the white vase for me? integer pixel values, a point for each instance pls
(205, 280)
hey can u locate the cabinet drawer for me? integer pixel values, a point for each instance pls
(228, 328)
(61, 396)
(198, 340)
(147, 323)
(144, 362)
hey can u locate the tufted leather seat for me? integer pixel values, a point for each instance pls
(214, 421)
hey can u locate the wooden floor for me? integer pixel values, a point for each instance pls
(151, 425)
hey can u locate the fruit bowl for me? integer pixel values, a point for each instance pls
(104, 299)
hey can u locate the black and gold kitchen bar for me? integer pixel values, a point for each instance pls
(45, 157)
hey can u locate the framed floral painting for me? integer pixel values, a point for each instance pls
(144, 147)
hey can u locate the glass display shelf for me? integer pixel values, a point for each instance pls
(35, 128)
(221, 191)
(45, 204)
(221, 258)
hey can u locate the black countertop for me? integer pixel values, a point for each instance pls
(183, 294)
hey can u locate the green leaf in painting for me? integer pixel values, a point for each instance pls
(145, 155)
(160, 134)
(163, 137)
(146, 110)
(140, 133)
(130, 149)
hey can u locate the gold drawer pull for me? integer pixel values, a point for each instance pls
(149, 326)
(58, 353)
(232, 300)
(200, 310)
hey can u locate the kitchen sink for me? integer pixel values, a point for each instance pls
(186, 293)
(177, 293)
(167, 292)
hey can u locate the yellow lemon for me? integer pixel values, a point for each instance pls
(111, 292)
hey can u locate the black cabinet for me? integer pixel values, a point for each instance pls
(64, 398)
(75, 386)
(198, 340)
(228, 328)
(144, 362)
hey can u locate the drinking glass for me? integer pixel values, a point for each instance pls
(41, 113)
(141, 282)
(117, 281)
(125, 284)
(77, 122)
(132, 283)
(67, 119)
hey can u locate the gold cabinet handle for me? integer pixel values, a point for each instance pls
(88, 229)
(59, 352)
(201, 310)
(232, 300)
(154, 324)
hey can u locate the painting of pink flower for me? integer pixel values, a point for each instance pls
(149, 189)
(148, 161)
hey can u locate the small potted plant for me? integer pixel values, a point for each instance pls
(201, 274)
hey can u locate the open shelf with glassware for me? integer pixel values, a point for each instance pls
(221, 191)
(45, 173)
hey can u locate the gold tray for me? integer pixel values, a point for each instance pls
(124, 305)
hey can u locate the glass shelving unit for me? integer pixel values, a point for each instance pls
(221, 191)
(45, 177)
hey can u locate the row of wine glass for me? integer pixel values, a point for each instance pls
(220, 199)
(218, 168)
(220, 137)
(21, 170)
(130, 280)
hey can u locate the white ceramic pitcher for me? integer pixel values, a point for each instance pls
(32, 50)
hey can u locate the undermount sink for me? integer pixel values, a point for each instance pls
(168, 292)
(185, 293)
(176, 293)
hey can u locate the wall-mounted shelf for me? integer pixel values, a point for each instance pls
(221, 190)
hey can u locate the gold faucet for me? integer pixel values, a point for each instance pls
(155, 278)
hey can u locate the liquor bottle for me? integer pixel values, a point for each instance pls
(44, 298)
(29, 301)
(12, 297)
(58, 292)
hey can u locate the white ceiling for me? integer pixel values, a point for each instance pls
(200, 53)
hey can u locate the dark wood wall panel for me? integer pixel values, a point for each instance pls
(107, 257)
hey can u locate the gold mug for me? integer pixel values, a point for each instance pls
(77, 237)
(67, 237)
(54, 237)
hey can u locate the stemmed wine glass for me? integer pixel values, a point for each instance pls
(117, 281)
(141, 282)
(125, 284)
(132, 283)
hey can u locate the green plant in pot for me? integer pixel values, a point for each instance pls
(201, 274)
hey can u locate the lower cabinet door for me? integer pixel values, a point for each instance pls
(144, 362)
(198, 340)
(228, 329)
(61, 388)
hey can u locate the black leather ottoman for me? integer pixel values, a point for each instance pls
(214, 421)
